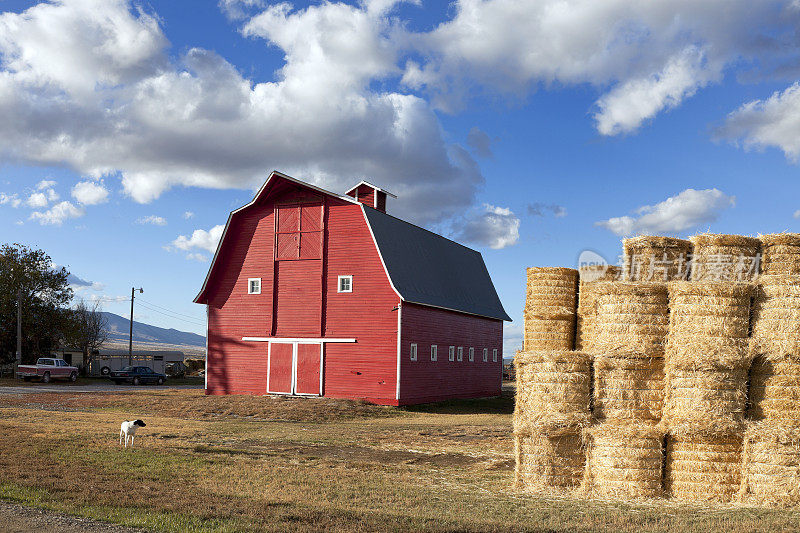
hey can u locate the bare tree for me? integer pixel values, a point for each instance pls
(89, 328)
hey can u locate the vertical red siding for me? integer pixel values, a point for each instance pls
(427, 381)
(299, 302)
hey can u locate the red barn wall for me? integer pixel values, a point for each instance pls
(428, 381)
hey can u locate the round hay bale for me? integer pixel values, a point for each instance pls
(703, 466)
(549, 460)
(699, 396)
(771, 465)
(709, 324)
(628, 389)
(780, 254)
(776, 317)
(631, 320)
(775, 390)
(652, 258)
(587, 299)
(725, 258)
(550, 308)
(623, 461)
(553, 389)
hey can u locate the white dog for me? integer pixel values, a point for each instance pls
(128, 429)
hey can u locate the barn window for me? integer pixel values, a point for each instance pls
(413, 352)
(494, 355)
(345, 284)
(451, 353)
(460, 353)
(434, 352)
(254, 286)
(486, 355)
(472, 354)
(298, 232)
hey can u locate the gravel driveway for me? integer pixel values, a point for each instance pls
(93, 387)
(15, 518)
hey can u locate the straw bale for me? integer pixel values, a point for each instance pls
(550, 308)
(775, 390)
(623, 460)
(771, 465)
(711, 334)
(776, 317)
(725, 258)
(628, 389)
(549, 334)
(651, 258)
(701, 395)
(631, 319)
(703, 466)
(780, 254)
(587, 299)
(549, 460)
(553, 389)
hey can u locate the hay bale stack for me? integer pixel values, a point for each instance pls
(725, 258)
(771, 465)
(776, 317)
(698, 396)
(552, 459)
(623, 461)
(780, 254)
(587, 298)
(775, 390)
(628, 389)
(553, 389)
(652, 258)
(631, 320)
(702, 466)
(550, 308)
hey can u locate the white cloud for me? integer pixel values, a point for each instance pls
(152, 220)
(45, 184)
(201, 258)
(495, 227)
(772, 122)
(10, 199)
(797, 214)
(238, 9)
(37, 200)
(80, 284)
(90, 192)
(678, 213)
(57, 214)
(200, 239)
(188, 215)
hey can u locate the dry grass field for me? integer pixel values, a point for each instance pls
(278, 464)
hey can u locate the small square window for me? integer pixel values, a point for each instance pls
(254, 286)
(413, 352)
(460, 353)
(486, 355)
(345, 284)
(434, 352)
(451, 353)
(494, 355)
(472, 354)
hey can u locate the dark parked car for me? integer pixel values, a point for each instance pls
(137, 375)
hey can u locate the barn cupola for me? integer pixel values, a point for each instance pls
(371, 195)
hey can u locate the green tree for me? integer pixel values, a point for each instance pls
(45, 294)
(87, 329)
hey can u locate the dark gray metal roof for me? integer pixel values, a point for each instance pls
(429, 269)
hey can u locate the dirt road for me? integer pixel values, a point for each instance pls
(16, 518)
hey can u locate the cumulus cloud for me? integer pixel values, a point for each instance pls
(90, 192)
(678, 213)
(539, 209)
(36, 200)
(152, 220)
(80, 284)
(495, 227)
(480, 142)
(200, 240)
(188, 215)
(56, 215)
(12, 200)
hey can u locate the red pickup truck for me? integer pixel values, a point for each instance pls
(46, 369)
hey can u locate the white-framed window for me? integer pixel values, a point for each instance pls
(486, 355)
(460, 353)
(345, 284)
(413, 352)
(471, 354)
(253, 285)
(451, 353)
(494, 355)
(434, 352)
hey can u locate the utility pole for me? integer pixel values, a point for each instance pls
(130, 334)
(19, 326)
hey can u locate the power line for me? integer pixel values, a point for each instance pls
(166, 309)
(171, 316)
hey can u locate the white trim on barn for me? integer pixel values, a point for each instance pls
(377, 249)
(295, 339)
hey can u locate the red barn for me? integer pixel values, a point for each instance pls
(315, 293)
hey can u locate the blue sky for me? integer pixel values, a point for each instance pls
(528, 130)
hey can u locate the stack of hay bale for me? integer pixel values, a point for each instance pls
(651, 258)
(590, 276)
(553, 385)
(771, 453)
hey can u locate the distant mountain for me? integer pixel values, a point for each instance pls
(118, 328)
